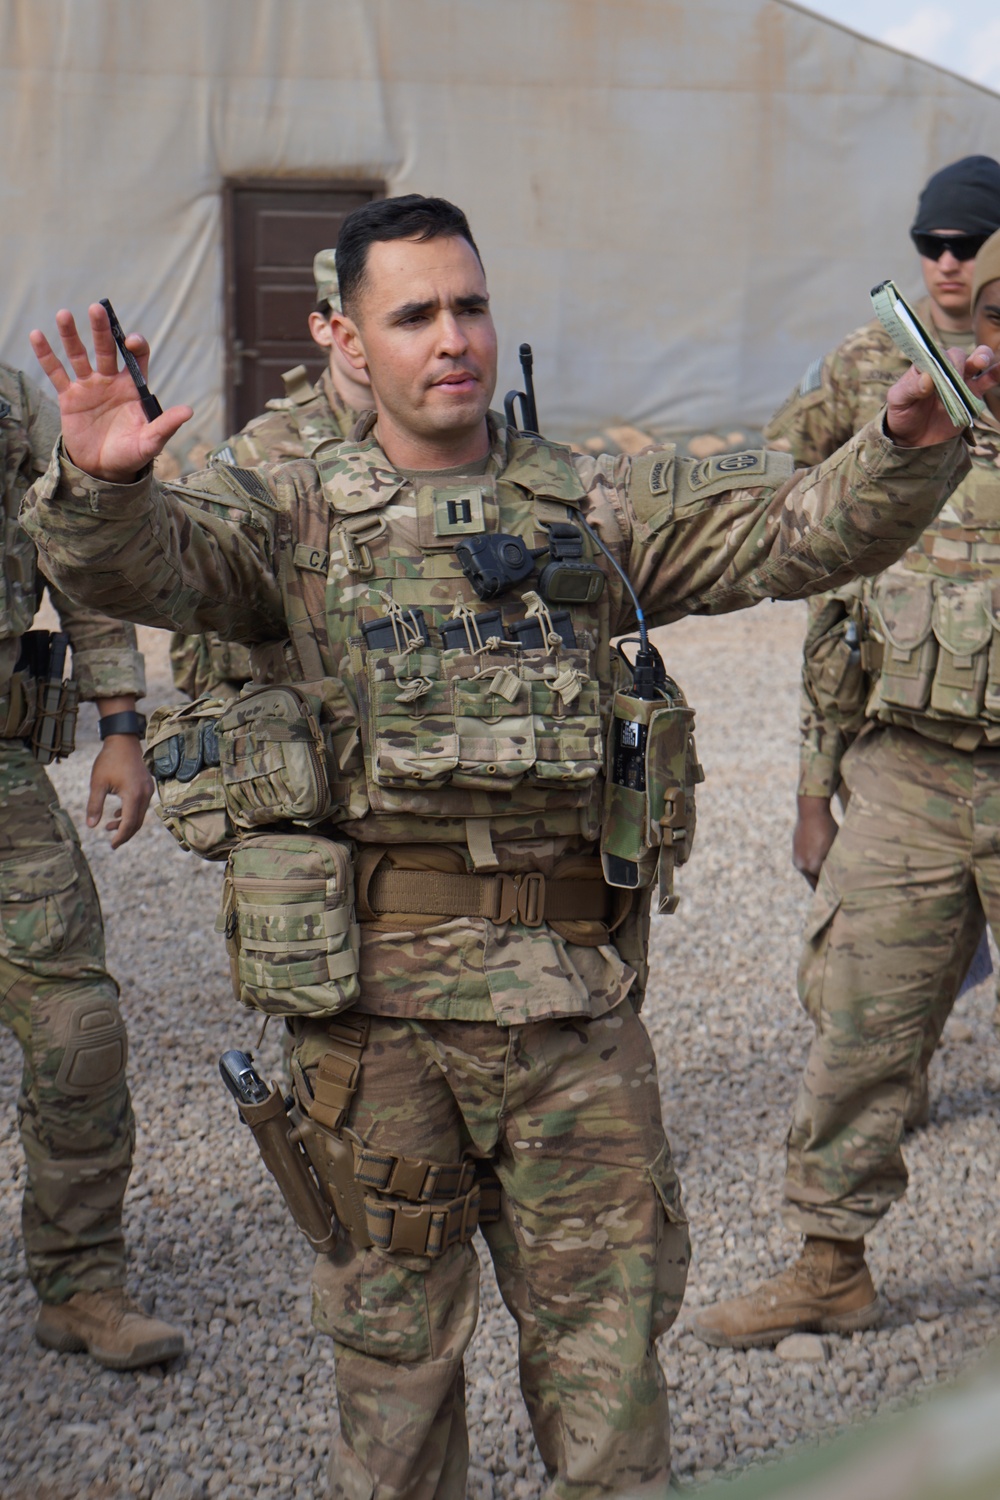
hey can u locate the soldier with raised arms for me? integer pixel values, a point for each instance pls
(434, 911)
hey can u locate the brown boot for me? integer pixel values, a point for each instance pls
(827, 1290)
(110, 1328)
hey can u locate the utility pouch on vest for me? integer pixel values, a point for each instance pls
(649, 811)
(41, 706)
(991, 699)
(273, 759)
(963, 628)
(280, 1134)
(182, 752)
(288, 917)
(903, 608)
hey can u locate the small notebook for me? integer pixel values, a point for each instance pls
(909, 334)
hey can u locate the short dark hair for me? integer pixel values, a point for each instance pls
(409, 217)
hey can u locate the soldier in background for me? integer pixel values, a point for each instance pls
(486, 1012)
(293, 426)
(958, 208)
(56, 996)
(900, 902)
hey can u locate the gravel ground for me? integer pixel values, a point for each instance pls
(248, 1412)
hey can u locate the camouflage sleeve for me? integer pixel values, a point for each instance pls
(189, 557)
(834, 690)
(718, 534)
(106, 660)
(41, 422)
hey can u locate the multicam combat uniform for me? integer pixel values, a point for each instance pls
(56, 995)
(293, 426)
(469, 782)
(915, 656)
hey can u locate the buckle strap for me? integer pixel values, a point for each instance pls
(335, 1080)
(412, 1178)
(423, 1229)
(528, 897)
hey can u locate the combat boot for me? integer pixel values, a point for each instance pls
(827, 1290)
(109, 1327)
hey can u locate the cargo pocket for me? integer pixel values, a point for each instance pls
(673, 1243)
(38, 900)
(815, 944)
(288, 917)
(991, 699)
(963, 627)
(903, 606)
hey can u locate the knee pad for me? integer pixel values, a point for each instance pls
(82, 1027)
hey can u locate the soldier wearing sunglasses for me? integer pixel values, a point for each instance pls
(958, 210)
(901, 692)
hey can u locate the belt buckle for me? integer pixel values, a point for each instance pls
(531, 898)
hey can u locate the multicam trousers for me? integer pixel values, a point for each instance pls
(591, 1255)
(74, 1113)
(894, 924)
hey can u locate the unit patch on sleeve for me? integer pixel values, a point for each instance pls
(700, 480)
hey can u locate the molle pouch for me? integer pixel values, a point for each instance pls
(288, 917)
(493, 718)
(649, 812)
(182, 752)
(411, 733)
(963, 627)
(991, 700)
(565, 706)
(528, 633)
(273, 758)
(903, 606)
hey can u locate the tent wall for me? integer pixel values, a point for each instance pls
(680, 204)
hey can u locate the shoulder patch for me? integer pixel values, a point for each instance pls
(700, 480)
(651, 486)
(813, 378)
(250, 483)
(223, 455)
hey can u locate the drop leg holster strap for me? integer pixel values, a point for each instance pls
(280, 1137)
(399, 1203)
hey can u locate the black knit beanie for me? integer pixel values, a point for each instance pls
(964, 196)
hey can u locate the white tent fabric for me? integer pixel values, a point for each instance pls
(679, 202)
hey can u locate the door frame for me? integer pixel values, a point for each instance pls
(230, 187)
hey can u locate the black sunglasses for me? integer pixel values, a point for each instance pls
(962, 246)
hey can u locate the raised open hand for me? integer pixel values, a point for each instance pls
(104, 428)
(916, 417)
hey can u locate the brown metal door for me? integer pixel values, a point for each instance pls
(272, 232)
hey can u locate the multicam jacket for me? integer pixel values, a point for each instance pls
(933, 624)
(293, 426)
(493, 752)
(106, 663)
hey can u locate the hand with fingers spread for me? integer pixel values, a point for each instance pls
(104, 428)
(916, 417)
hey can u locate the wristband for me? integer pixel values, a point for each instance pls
(127, 722)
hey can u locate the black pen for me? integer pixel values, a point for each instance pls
(150, 405)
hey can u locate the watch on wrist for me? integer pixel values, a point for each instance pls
(127, 722)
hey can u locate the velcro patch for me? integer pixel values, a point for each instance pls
(250, 482)
(312, 559)
(732, 471)
(651, 486)
(813, 378)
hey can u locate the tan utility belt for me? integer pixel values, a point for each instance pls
(529, 897)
